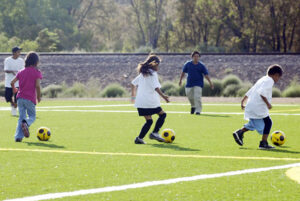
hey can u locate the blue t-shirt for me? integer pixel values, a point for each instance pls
(195, 73)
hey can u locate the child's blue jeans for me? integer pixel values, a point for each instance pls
(26, 107)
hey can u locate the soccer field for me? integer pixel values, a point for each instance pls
(91, 155)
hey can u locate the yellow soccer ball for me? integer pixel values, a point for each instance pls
(168, 135)
(43, 134)
(278, 138)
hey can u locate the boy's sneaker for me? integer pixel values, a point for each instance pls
(25, 128)
(238, 137)
(155, 136)
(197, 113)
(13, 111)
(265, 145)
(18, 140)
(139, 141)
(193, 110)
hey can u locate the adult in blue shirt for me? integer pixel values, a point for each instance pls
(193, 89)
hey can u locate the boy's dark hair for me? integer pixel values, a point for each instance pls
(275, 69)
(196, 52)
(32, 59)
(146, 67)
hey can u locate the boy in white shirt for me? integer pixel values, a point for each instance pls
(147, 100)
(12, 65)
(257, 107)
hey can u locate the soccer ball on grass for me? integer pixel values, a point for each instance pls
(168, 135)
(43, 134)
(278, 138)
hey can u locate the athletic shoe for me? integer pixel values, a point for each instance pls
(265, 145)
(155, 136)
(18, 140)
(139, 141)
(238, 137)
(25, 128)
(197, 113)
(13, 111)
(193, 110)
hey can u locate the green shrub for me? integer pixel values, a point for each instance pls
(2, 89)
(77, 90)
(292, 91)
(231, 79)
(52, 91)
(217, 91)
(231, 90)
(113, 90)
(170, 88)
(93, 88)
(243, 90)
(276, 92)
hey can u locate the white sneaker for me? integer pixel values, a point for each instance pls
(13, 111)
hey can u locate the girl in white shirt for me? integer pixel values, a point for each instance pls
(146, 91)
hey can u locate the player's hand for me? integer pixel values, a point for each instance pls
(180, 83)
(39, 99)
(269, 106)
(212, 86)
(166, 98)
(243, 107)
(15, 90)
(132, 99)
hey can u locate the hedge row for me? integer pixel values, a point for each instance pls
(229, 86)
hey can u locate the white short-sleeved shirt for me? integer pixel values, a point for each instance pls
(146, 96)
(256, 108)
(12, 64)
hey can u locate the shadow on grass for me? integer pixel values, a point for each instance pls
(277, 149)
(214, 115)
(173, 146)
(40, 144)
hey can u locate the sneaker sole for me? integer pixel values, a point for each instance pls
(237, 139)
(25, 130)
(158, 139)
(263, 148)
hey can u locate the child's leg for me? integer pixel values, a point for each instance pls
(197, 99)
(22, 115)
(146, 126)
(160, 121)
(190, 94)
(30, 107)
(267, 128)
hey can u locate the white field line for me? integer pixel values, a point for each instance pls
(150, 155)
(152, 183)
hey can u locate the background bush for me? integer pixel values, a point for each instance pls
(231, 90)
(231, 79)
(78, 90)
(276, 92)
(2, 89)
(52, 91)
(292, 91)
(170, 88)
(243, 90)
(217, 91)
(114, 90)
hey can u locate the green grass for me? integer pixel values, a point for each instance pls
(25, 173)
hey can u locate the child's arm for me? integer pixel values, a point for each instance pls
(38, 89)
(266, 101)
(12, 83)
(210, 83)
(243, 101)
(133, 92)
(162, 95)
(181, 77)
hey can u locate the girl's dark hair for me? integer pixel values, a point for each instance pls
(274, 69)
(195, 52)
(32, 59)
(147, 66)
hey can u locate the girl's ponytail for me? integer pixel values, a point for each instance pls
(147, 66)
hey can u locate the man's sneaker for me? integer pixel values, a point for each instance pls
(265, 145)
(155, 136)
(18, 140)
(193, 110)
(238, 137)
(25, 128)
(139, 141)
(13, 111)
(197, 113)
